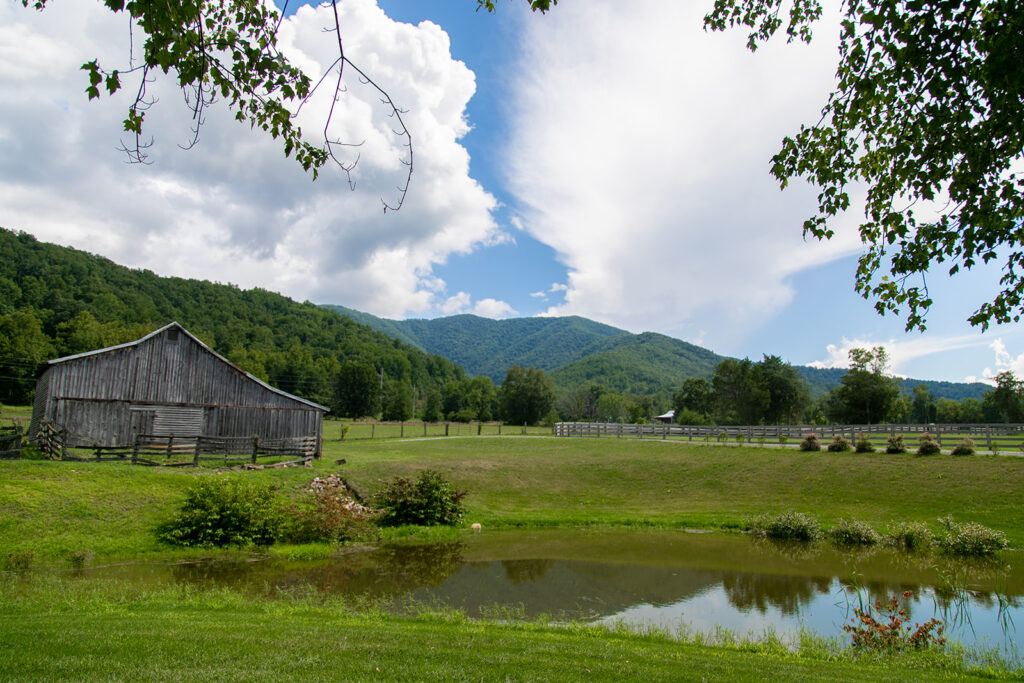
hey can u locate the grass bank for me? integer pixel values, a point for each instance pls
(57, 627)
(55, 508)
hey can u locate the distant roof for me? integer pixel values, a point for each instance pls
(668, 416)
(191, 336)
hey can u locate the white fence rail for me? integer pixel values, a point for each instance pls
(985, 435)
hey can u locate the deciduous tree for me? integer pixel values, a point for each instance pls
(526, 395)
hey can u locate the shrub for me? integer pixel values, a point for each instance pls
(970, 538)
(896, 445)
(864, 445)
(852, 532)
(428, 501)
(723, 436)
(740, 438)
(965, 447)
(221, 512)
(810, 443)
(928, 445)
(20, 560)
(783, 439)
(884, 628)
(787, 526)
(330, 515)
(80, 558)
(839, 445)
(909, 536)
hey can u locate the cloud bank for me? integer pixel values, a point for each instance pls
(233, 208)
(640, 152)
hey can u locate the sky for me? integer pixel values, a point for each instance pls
(607, 159)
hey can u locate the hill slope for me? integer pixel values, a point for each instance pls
(576, 351)
(56, 301)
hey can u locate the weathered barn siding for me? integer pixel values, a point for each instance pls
(165, 383)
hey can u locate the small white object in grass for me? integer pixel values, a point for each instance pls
(475, 526)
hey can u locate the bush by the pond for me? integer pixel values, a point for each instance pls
(864, 445)
(428, 501)
(927, 445)
(839, 445)
(810, 443)
(220, 512)
(895, 445)
(970, 538)
(909, 536)
(965, 447)
(786, 526)
(853, 532)
(329, 515)
(885, 627)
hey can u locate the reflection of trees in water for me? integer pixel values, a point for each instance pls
(418, 566)
(786, 593)
(798, 551)
(525, 571)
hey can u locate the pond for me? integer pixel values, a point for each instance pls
(649, 578)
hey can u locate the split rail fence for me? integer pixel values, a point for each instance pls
(991, 437)
(10, 442)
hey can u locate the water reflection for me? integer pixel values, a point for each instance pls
(658, 579)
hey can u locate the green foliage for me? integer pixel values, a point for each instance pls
(19, 560)
(429, 501)
(927, 445)
(432, 406)
(965, 447)
(810, 443)
(866, 394)
(398, 402)
(740, 394)
(886, 628)
(221, 512)
(786, 526)
(864, 445)
(909, 536)
(327, 516)
(526, 396)
(894, 445)
(849, 532)
(80, 558)
(839, 445)
(896, 125)
(969, 538)
(1004, 403)
(358, 390)
(63, 300)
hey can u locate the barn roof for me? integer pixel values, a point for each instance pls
(163, 329)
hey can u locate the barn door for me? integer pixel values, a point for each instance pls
(141, 422)
(178, 421)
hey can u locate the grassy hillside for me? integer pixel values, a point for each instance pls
(57, 301)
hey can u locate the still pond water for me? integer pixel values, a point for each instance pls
(648, 578)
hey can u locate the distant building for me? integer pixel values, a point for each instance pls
(167, 383)
(667, 418)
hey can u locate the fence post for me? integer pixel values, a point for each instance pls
(170, 445)
(988, 437)
(424, 429)
(499, 429)
(401, 430)
(524, 429)
(135, 449)
(195, 457)
(255, 447)
(479, 428)
(373, 429)
(446, 429)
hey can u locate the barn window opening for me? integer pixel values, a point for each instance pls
(172, 336)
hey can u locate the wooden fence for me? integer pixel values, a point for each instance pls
(991, 437)
(179, 451)
(10, 441)
(360, 431)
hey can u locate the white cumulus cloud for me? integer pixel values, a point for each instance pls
(234, 209)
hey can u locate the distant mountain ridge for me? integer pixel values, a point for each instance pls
(575, 351)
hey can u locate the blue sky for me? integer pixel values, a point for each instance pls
(608, 160)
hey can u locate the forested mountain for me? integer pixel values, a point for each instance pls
(576, 351)
(56, 301)
(490, 347)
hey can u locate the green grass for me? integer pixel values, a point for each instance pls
(61, 628)
(54, 508)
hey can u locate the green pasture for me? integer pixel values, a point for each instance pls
(53, 509)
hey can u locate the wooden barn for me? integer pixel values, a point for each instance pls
(166, 384)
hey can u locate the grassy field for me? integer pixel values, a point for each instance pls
(62, 628)
(55, 508)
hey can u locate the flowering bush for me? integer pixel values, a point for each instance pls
(909, 535)
(885, 628)
(810, 443)
(970, 538)
(927, 445)
(787, 526)
(864, 445)
(852, 532)
(965, 447)
(839, 445)
(896, 445)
